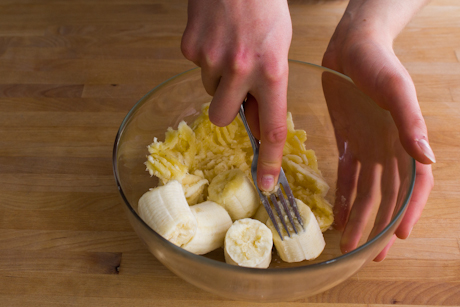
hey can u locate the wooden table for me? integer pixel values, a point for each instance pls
(70, 71)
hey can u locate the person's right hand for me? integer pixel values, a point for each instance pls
(242, 48)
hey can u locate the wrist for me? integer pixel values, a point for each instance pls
(353, 30)
(376, 20)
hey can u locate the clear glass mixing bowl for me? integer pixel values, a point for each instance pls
(358, 126)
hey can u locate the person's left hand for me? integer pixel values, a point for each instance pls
(368, 59)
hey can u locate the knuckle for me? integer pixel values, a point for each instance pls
(240, 63)
(430, 180)
(188, 49)
(274, 71)
(211, 56)
(275, 135)
(269, 166)
(392, 78)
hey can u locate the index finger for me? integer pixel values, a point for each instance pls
(272, 107)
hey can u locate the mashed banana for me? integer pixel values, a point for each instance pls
(194, 155)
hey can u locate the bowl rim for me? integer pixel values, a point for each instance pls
(248, 270)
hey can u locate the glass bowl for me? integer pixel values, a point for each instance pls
(358, 127)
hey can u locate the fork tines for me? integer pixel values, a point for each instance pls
(288, 205)
(276, 197)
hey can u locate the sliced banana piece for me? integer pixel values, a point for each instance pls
(213, 222)
(261, 214)
(248, 243)
(321, 208)
(302, 176)
(306, 244)
(194, 186)
(166, 211)
(234, 191)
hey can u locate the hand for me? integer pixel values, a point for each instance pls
(242, 48)
(361, 48)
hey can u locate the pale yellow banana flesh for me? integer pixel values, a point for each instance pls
(211, 150)
(194, 186)
(248, 243)
(307, 244)
(261, 214)
(166, 211)
(213, 222)
(234, 191)
(208, 162)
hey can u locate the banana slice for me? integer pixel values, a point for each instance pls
(194, 186)
(234, 191)
(248, 243)
(306, 244)
(166, 211)
(213, 222)
(261, 214)
(302, 176)
(321, 208)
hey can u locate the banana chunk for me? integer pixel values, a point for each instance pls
(213, 222)
(248, 243)
(234, 191)
(166, 211)
(261, 214)
(194, 186)
(302, 176)
(306, 244)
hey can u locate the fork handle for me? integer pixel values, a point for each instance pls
(254, 141)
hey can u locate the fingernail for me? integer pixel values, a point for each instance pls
(408, 235)
(267, 182)
(427, 151)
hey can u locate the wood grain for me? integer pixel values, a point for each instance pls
(69, 73)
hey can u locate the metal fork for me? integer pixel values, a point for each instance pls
(277, 196)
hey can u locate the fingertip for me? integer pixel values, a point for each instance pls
(380, 257)
(267, 173)
(338, 225)
(404, 232)
(414, 139)
(350, 237)
(267, 183)
(345, 248)
(340, 220)
(418, 147)
(383, 254)
(347, 243)
(426, 150)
